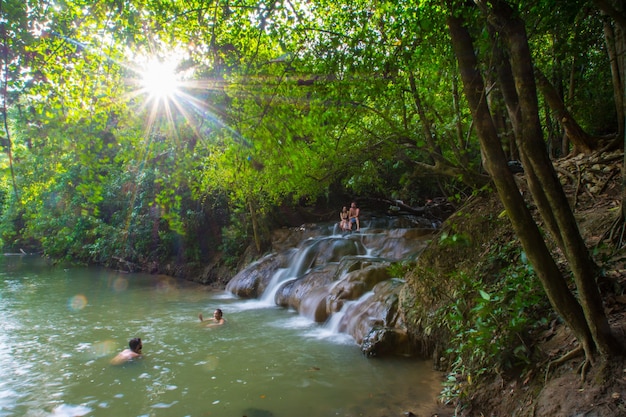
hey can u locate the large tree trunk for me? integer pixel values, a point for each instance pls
(547, 187)
(525, 227)
(507, 85)
(507, 89)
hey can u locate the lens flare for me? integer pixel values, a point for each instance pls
(210, 363)
(160, 79)
(166, 284)
(77, 302)
(104, 348)
(120, 284)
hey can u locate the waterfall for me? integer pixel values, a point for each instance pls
(302, 260)
(341, 281)
(339, 322)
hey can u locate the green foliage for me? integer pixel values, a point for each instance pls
(488, 330)
(234, 239)
(287, 101)
(400, 269)
(453, 239)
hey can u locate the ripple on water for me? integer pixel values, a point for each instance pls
(163, 405)
(295, 322)
(67, 410)
(323, 333)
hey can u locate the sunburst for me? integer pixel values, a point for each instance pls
(160, 79)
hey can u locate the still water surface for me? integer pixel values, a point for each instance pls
(59, 328)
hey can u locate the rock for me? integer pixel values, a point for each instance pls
(252, 281)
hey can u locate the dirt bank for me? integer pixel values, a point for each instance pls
(550, 385)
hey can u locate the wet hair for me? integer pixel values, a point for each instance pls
(134, 344)
(219, 311)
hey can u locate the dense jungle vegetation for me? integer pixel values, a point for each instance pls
(152, 133)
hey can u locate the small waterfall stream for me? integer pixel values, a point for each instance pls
(302, 260)
(341, 281)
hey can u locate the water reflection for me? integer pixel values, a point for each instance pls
(61, 327)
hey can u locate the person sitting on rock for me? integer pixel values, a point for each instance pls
(343, 216)
(353, 216)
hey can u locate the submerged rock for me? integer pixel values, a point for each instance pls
(257, 412)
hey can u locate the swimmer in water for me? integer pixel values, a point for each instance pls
(217, 319)
(127, 355)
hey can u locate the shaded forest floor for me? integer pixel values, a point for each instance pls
(593, 185)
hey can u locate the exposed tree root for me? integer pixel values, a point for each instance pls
(583, 368)
(615, 234)
(571, 354)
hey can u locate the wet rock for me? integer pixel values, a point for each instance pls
(294, 292)
(334, 249)
(344, 278)
(356, 283)
(252, 281)
(377, 310)
(384, 341)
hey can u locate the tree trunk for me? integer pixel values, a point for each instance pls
(547, 185)
(617, 11)
(507, 85)
(255, 226)
(582, 141)
(616, 74)
(5, 98)
(525, 227)
(429, 136)
(460, 137)
(507, 88)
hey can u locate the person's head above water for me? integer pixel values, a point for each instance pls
(133, 351)
(135, 345)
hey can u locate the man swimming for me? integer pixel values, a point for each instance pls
(126, 355)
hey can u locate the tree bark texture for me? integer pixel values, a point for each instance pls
(524, 225)
(547, 187)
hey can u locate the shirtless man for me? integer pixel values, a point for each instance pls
(127, 355)
(354, 216)
(217, 319)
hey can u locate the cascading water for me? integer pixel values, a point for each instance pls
(302, 260)
(340, 281)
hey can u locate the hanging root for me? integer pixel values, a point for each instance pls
(571, 354)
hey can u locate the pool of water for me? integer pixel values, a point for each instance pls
(60, 327)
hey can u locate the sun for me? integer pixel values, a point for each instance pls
(160, 79)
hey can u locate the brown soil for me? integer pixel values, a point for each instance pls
(551, 387)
